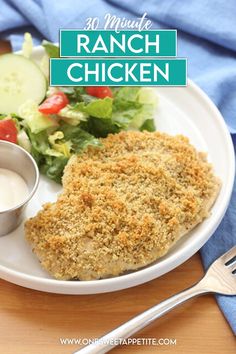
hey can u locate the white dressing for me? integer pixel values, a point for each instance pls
(13, 189)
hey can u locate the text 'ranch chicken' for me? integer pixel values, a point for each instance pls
(123, 206)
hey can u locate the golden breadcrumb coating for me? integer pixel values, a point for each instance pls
(123, 205)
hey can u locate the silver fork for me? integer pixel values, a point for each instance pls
(220, 278)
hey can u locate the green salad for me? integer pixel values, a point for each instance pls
(53, 123)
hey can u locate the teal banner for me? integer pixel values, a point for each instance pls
(107, 43)
(118, 72)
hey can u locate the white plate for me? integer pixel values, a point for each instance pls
(185, 110)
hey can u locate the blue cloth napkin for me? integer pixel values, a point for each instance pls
(206, 36)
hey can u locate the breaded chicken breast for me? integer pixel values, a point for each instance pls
(123, 206)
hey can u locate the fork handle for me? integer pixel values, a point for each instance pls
(112, 339)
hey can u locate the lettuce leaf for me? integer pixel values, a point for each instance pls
(99, 108)
(128, 94)
(53, 167)
(132, 106)
(53, 151)
(72, 116)
(79, 138)
(51, 49)
(36, 121)
(100, 128)
(74, 93)
(148, 125)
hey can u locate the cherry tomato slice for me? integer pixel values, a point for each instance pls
(91, 90)
(8, 130)
(99, 91)
(54, 103)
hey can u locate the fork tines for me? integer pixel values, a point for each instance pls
(229, 257)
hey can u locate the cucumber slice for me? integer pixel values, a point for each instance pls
(20, 79)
